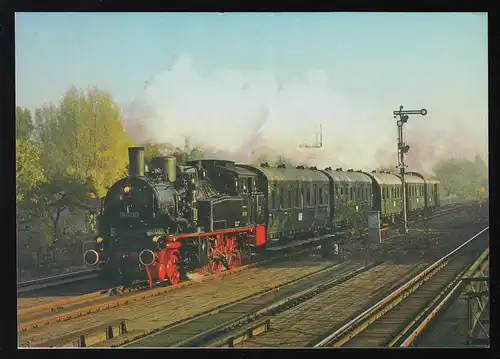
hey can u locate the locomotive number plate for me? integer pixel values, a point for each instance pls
(129, 215)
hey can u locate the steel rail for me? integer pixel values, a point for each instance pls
(383, 302)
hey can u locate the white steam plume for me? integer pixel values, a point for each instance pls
(242, 116)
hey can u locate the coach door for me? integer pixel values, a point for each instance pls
(258, 208)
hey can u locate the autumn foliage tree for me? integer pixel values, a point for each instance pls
(463, 178)
(29, 172)
(83, 149)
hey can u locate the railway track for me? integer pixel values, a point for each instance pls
(397, 319)
(212, 324)
(32, 317)
(57, 280)
(36, 324)
(39, 317)
(448, 209)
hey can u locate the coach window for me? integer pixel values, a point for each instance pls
(308, 197)
(273, 196)
(321, 196)
(315, 190)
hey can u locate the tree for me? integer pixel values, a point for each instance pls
(85, 140)
(354, 214)
(187, 153)
(463, 178)
(84, 149)
(24, 123)
(29, 172)
(151, 150)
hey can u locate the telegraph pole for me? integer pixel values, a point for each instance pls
(402, 149)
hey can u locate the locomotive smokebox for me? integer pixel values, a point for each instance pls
(136, 161)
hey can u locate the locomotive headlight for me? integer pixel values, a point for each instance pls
(155, 239)
(99, 239)
(126, 189)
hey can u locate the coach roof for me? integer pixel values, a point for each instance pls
(385, 178)
(289, 174)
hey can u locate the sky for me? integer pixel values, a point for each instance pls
(242, 85)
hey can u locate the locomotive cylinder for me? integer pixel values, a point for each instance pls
(136, 161)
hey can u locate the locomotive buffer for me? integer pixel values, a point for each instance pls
(402, 149)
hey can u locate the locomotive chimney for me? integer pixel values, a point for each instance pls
(136, 161)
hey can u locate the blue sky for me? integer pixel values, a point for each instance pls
(367, 63)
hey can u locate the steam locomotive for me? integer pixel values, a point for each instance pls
(161, 224)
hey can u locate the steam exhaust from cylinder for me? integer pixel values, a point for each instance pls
(91, 257)
(146, 257)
